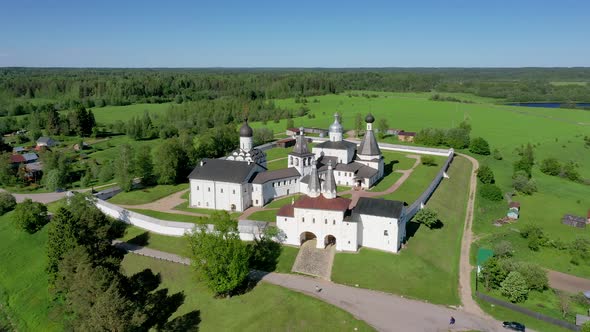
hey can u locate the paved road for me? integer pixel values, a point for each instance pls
(46, 198)
(385, 312)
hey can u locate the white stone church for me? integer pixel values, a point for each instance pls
(241, 180)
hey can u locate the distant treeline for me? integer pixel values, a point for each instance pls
(24, 90)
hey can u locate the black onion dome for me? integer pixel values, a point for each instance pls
(369, 118)
(246, 130)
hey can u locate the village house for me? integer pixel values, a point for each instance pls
(45, 141)
(406, 136)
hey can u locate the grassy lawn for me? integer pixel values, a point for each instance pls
(265, 308)
(431, 257)
(277, 203)
(109, 149)
(276, 153)
(147, 195)
(415, 185)
(171, 244)
(172, 216)
(184, 207)
(286, 259)
(276, 164)
(110, 114)
(23, 282)
(267, 215)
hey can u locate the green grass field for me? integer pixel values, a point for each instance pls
(265, 308)
(277, 203)
(172, 216)
(171, 244)
(108, 150)
(393, 161)
(110, 114)
(23, 282)
(147, 195)
(267, 215)
(431, 257)
(418, 181)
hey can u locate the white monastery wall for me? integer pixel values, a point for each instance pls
(380, 232)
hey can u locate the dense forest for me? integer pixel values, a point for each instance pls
(24, 90)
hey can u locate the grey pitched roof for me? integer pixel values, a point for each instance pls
(30, 156)
(223, 170)
(352, 167)
(341, 145)
(379, 207)
(305, 179)
(314, 181)
(44, 139)
(264, 177)
(366, 172)
(300, 147)
(330, 182)
(369, 145)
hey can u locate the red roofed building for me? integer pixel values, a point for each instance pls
(17, 159)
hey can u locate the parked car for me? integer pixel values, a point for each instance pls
(515, 326)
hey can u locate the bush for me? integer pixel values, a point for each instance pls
(428, 161)
(570, 171)
(485, 174)
(550, 166)
(30, 216)
(479, 145)
(514, 287)
(522, 183)
(428, 218)
(496, 154)
(503, 249)
(535, 276)
(491, 192)
(7, 202)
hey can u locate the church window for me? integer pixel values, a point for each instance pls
(209, 189)
(234, 191)
(197, 187)
(302, 219)
(385, 233)
(222, 190)
(334, 222)
(198, 203)
(256, 202)
(313, 220)
(207, 204)
(325, 221)
(338, 173)
(285, 219)
(348, 242)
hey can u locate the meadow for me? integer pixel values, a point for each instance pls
(111, 114)
(147, 195)
(431, 256)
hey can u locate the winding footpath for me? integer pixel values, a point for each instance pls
(383, 311)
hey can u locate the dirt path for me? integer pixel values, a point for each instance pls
(166, 204)
(567, 282)
(465, 267)
(46, 198)
(385, 312)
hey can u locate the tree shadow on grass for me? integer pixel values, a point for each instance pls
(142, 239)
(159, 305)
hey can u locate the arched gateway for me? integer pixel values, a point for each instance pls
(329, 240)
(305, 236)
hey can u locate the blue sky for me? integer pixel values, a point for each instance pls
(418, 33)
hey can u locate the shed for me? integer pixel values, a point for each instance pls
(393, 131)
(512, 214)
(406, 136)
(514, 205)
(292, 131)
(46, 141)
(30, 157)
(19, 149)
(17, 159)
(286, 142)
(574, 221)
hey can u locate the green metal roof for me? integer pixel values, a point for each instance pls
(483, 255)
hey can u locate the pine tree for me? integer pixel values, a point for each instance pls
(124, 168)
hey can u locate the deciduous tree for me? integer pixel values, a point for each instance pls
(514, 287)
(124, 168)
(30, 216)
